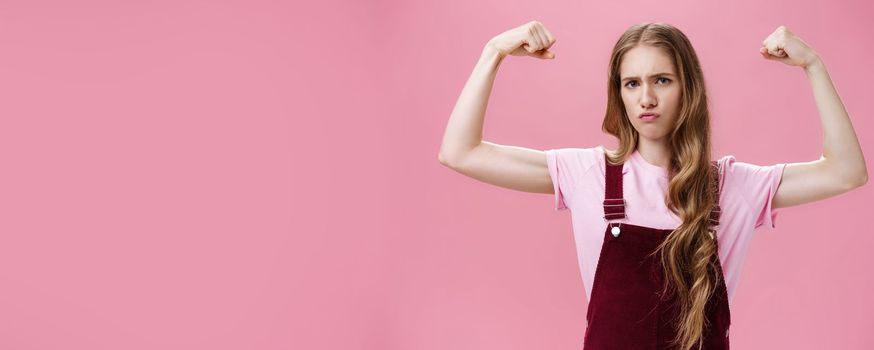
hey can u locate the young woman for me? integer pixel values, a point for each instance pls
(661, 267)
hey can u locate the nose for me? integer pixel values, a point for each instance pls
(647, 98)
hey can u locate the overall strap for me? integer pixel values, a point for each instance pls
(614, 203)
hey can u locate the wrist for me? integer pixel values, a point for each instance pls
(491, 52)
(814, 65)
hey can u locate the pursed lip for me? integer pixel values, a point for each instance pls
(648, 114)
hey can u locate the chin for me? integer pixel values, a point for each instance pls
(650, 135)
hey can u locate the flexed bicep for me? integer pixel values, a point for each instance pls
(513, 167)
(807, 182)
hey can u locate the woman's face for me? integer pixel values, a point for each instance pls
(649, 84)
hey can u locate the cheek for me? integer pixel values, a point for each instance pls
(627, 100)
(677, 93)
(673, 96)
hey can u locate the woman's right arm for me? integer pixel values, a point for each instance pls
(463, 149)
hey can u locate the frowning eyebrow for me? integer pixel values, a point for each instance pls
(653, 75)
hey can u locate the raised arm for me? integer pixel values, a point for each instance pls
(463, 149)
(841, 167)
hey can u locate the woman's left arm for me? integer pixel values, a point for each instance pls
(841, 167)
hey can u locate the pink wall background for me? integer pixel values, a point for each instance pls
(264, 174)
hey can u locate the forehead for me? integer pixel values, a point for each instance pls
(644, 60)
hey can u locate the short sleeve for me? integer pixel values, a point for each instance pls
(567, 166)
(759, 185)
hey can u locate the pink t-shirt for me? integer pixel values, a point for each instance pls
(746, 191)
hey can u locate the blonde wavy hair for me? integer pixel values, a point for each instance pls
(688, 253)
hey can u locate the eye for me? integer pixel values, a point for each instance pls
(635, 81)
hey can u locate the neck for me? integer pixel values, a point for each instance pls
(656, 153)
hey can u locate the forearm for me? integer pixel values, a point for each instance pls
(841, 148)
(464, 130)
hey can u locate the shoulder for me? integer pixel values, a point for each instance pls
(575, 159)
(747, 177)
(745, 171)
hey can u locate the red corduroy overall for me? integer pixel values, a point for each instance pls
(625, 309)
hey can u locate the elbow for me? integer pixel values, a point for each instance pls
(863, 180)
(856, 182)
(442, 159)
(452, 158)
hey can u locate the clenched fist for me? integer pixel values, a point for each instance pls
(784, 46)
(529, 39)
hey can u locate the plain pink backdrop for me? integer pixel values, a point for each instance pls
(264, 174)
